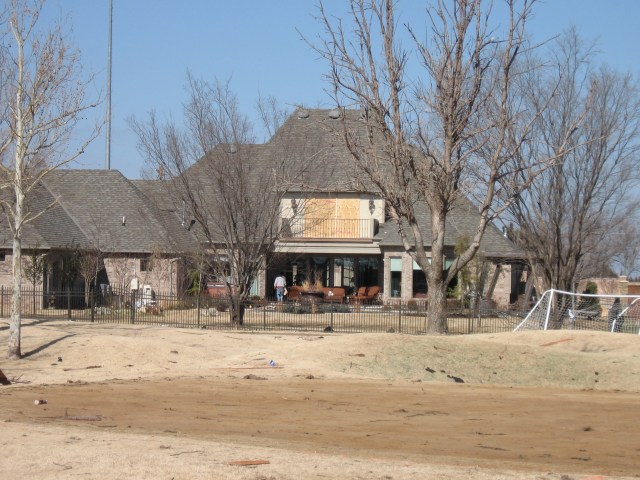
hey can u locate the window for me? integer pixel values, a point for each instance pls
(3, 257)
(146, 265)
(419, 284)
(395, 267)
(367, 271)
(420, 288)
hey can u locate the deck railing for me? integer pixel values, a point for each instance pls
(330, 228)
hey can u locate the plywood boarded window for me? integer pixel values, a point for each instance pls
(332, 218)
(348, 212)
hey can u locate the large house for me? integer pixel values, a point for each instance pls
(333, 225)
(343, 235)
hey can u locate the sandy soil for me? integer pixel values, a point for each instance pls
(154, 402)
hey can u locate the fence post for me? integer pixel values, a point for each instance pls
(68, 303)
(2, 301)
(91, 306)
(399, 316)
(198, 309)
(331, 319)
(133, 306)
(264, 316)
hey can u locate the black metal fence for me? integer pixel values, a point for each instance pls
(259, 314)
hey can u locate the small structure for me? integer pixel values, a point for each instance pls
(148, 296)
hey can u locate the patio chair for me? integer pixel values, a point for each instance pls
(365, 294)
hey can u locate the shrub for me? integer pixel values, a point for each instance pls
(333, 307)
(412, 306)
(222, 306)
(296, 308)
(590, 303)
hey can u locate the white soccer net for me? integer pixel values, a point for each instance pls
(581, 311)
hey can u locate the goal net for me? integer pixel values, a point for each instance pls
(581, 311)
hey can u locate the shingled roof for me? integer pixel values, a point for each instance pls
(314, 136)
(462, 220)
(100, 209)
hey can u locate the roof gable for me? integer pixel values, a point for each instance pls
(111, 212)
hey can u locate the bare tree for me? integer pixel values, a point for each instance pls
(625, 243)
(122, 269)
(577, 212)
(34, 270)
(42, 93)
(438, 133)
(90, 262)
(229, 188)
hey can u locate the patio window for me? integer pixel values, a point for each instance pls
(395, 267)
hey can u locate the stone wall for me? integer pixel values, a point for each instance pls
(164, 274)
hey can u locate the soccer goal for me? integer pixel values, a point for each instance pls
(582, 311)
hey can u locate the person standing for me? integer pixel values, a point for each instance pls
(279, 285)
(615, 319)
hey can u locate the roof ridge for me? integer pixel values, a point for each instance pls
(64, 209)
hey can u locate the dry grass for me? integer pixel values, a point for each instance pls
(61, 352)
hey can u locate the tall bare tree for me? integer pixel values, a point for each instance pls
(41, 101)
(34, 269)
(440, 130)
(230, 187)
(572, 220)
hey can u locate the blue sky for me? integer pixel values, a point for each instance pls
(255, 44)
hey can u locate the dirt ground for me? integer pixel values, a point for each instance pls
(153, 402)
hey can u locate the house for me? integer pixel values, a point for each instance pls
(333, 227)
(343, 235)
(99, 211)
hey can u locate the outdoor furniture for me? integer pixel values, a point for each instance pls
(327, 294)
(334, 294)
(365, 294)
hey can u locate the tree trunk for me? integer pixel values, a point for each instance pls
(436, 311)
(237, 310)
(16, 300)
(15, 351)
(87, 292)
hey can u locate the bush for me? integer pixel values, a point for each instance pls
(298, 308)
(175, 305)
(590, 303)
(333, 307)
(222, 306)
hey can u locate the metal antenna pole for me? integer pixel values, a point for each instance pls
(107, 160)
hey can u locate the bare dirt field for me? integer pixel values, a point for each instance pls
(165, 403)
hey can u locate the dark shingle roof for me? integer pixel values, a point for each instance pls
(315, 137)
(55, 228)
(96, 201)
(461, 220)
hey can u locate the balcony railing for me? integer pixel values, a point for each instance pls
(328, 228)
